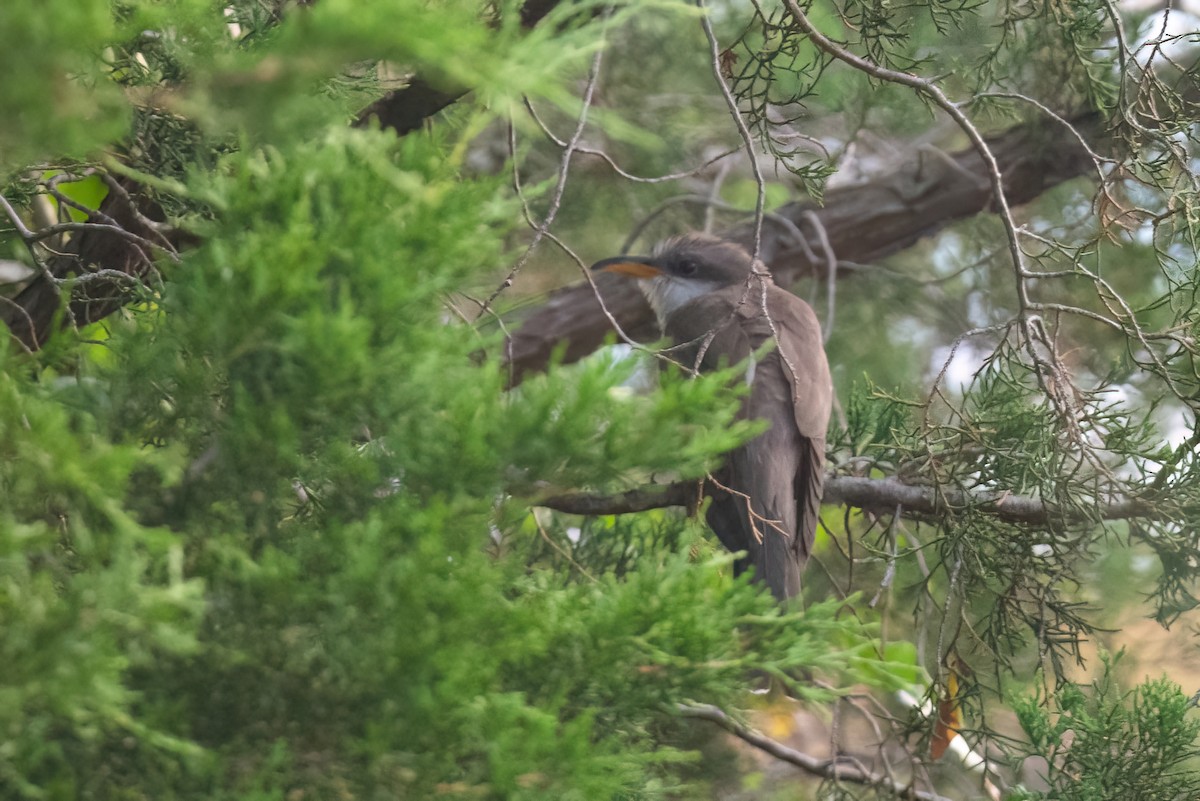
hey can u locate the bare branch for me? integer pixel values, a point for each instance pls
(642, 499)
(1051, 374)
(560, 186)
(407, 109)
(760, 196)
(877, 494)
(617, 168)
(832, 769)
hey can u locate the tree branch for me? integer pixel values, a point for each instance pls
(831, 769)
(120, 245)
(406, 109)
(877, 494)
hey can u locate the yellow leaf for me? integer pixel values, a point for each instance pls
(949, 717)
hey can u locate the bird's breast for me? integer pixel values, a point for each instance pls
(667, 294)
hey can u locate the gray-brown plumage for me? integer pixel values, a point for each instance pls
(719, 312)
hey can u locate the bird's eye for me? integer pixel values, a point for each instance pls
(687, 267)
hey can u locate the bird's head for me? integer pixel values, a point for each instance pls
(682, 269)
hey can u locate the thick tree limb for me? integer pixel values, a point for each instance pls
(406, 109)
(831, 769)
(642, 499)
(876, 494)
(862, 223)
(888, 494)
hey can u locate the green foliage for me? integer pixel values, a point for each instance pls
(274, 372)
(47, 50)
(1101, 743)
(88, 595)
(878, 424)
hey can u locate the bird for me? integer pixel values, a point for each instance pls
(719, 307)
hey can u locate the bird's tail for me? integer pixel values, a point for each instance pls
(765, 531)
(777, 527)
(778, 563)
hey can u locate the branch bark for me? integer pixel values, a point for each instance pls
(405, 110)
(875, 494)
(863, 223)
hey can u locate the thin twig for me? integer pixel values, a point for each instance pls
(1058, 389)
(600, 154)
(831, 266)
(760, 199)
(561, 551)
(832, 769)
(560, 185)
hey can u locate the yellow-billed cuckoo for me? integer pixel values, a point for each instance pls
(719, 311)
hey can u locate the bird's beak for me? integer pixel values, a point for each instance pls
(636, 266)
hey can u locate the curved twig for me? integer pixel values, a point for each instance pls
(832, 769)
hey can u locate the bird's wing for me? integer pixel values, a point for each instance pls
(791, 323)
(792, 326)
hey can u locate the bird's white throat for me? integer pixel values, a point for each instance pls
(667, 294)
